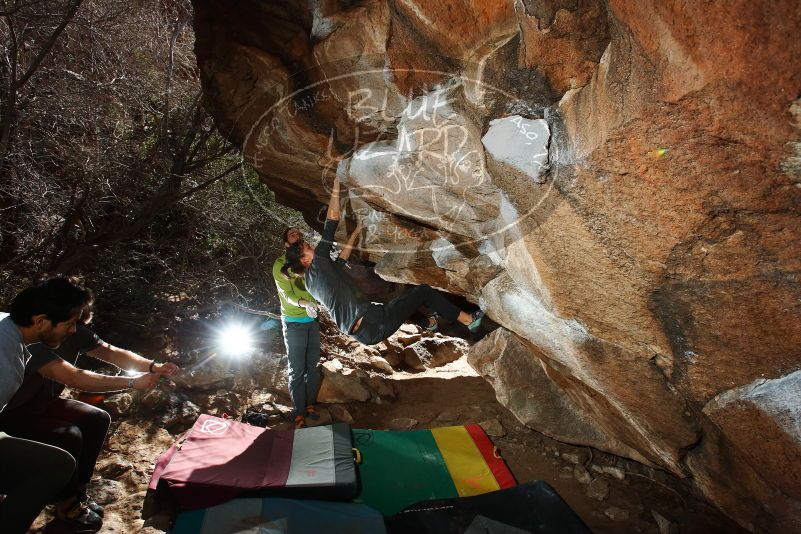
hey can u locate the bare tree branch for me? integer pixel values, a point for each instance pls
(48, 45)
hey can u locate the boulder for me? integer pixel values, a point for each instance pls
(763, 419)
(667, 191)
(561, 412)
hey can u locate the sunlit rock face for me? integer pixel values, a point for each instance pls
(616, 183)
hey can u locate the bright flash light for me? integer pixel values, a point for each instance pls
(235, 340)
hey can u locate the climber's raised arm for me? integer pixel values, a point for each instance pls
(333, 204)
(348, 248)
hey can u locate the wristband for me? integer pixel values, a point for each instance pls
(150, 369)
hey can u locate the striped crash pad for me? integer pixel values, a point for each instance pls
(399, 468)
(281, 516)
(217, 459)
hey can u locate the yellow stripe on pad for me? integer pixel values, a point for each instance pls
(470, 473)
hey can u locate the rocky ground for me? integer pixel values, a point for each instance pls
(413, 380)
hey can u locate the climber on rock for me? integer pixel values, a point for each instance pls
(369, 323)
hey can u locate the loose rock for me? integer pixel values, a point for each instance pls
(113, 467)
(340, 413)
(609, 470)
(341, 385)
(616, 514)
(380, 364)
(575, 458)
(583, 476)
(493, 428)
(434, 352)
(663, 524)
(391, 350)
(381, 387)
(598, 489)
(325, 418)
(403, 423)
(119, 404)
(106, 491)
(153, 399)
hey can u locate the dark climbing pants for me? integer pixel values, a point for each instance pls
(77, 427)
(31, 475)
(382, 320)
(302, 342)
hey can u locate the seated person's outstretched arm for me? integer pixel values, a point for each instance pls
(130, 361)
(65, 373)
(345, 254)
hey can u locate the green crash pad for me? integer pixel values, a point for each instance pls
(401, 468)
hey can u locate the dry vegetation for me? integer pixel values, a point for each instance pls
(111, 168)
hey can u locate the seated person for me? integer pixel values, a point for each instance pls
(368, 322)
(32, 473)
(37, 412)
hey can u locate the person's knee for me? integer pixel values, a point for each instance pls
(295, 377)
(69, 438)
(99, 418)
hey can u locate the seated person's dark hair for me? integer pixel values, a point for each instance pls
(58, 299)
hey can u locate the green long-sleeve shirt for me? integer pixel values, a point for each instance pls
(291, 289)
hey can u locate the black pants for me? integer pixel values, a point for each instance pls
(78, 428)
(382, 320)
(31, 475)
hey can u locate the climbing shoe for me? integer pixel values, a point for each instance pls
(433, 323)
(79, 517)
(86, 500)
(300, 422)
(477, 316)
(312, 414)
